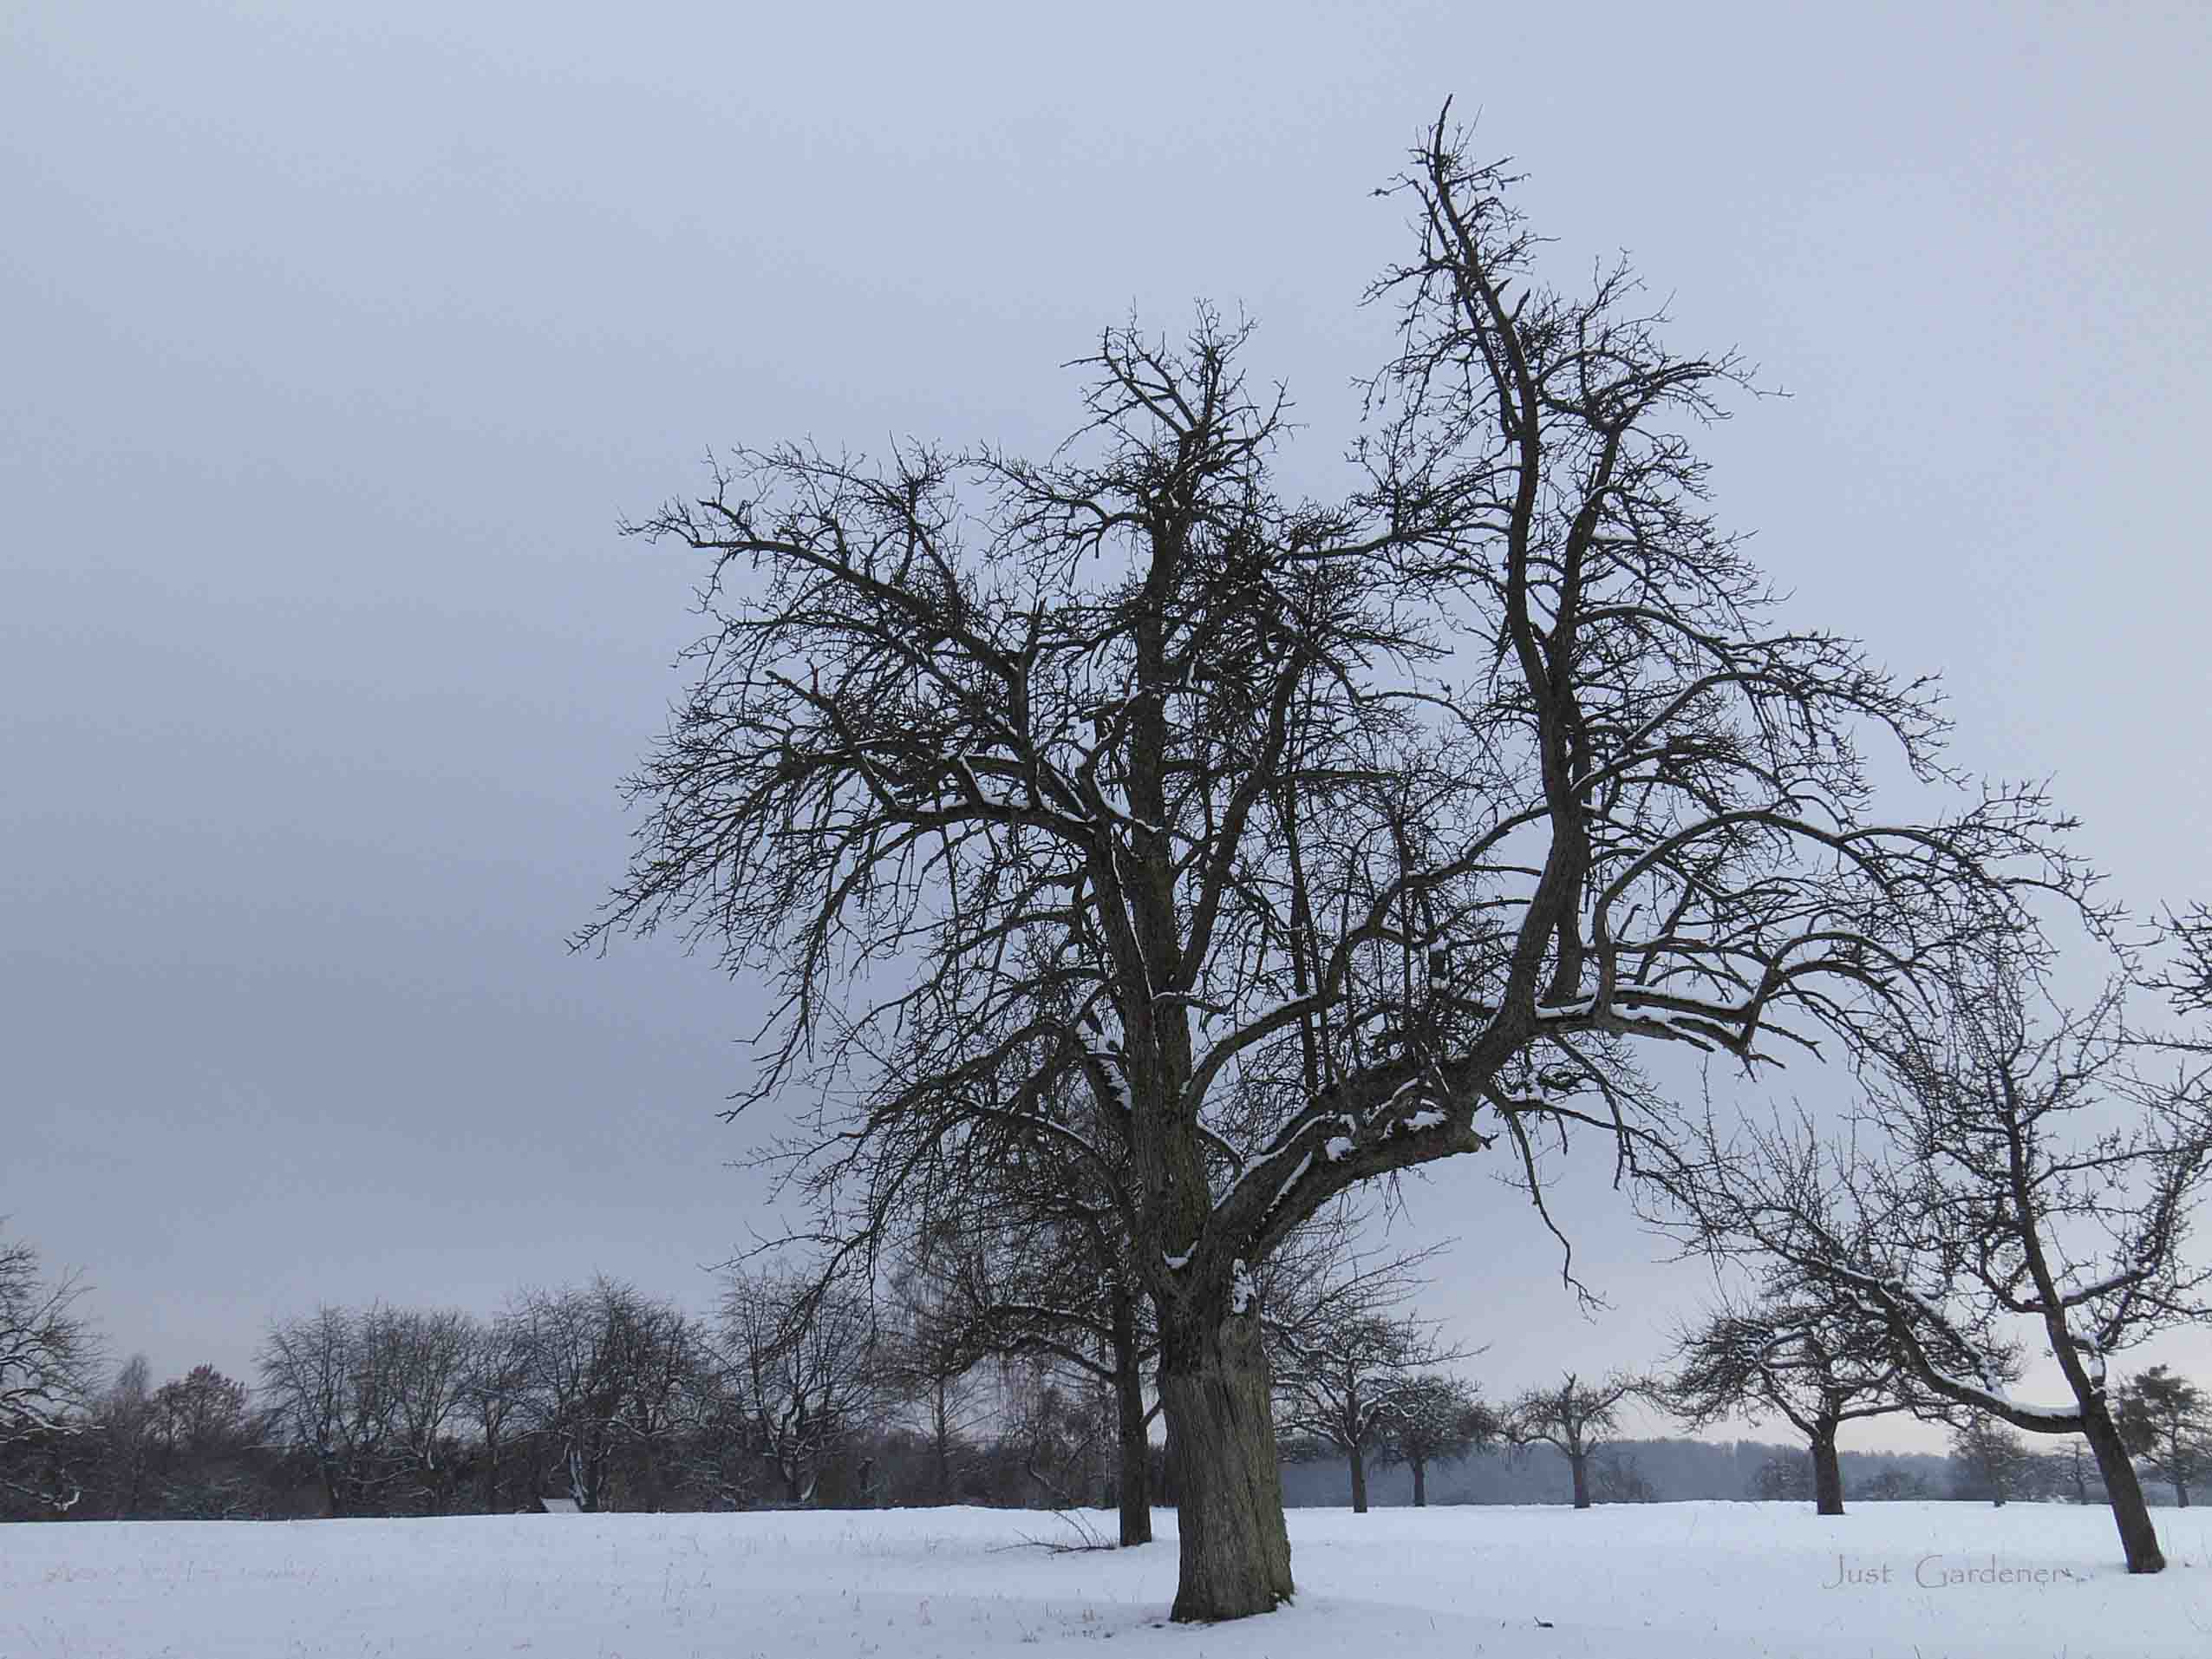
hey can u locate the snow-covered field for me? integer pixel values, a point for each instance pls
(1664, 1581)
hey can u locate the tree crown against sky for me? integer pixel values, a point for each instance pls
(1314, 840)
(1321, 826)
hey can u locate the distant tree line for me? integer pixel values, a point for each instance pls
(802, 1391)
(598, 1395)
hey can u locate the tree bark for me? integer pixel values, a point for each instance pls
(1827, 1475)
(1358, 1456)
(1235, 1557)
(1136, 1501)
(1421, 1483)
(1579, 1462)
(2138, 1539)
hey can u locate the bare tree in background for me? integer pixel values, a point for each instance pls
(1992, 1462)
(799, 1357)
(1817, 1366)
(932, 1348)
(2022, 1169)
(325, 1402)
(1342, 1358)
(1042, 1264)
(2166, 1420)
(123, 1416)
(47, 1356)
(429, 1358)
(602, 1370)
(492, 1399)
(1574, 1419)
(1434, 1418)
(1316, 840)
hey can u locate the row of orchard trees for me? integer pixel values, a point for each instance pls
(600, 1395)
(613, 1400)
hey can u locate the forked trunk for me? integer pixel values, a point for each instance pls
(1827, 1477)
(1358, 1480)
(1214, 1393)
(2138, 1539)
(1579, 1462)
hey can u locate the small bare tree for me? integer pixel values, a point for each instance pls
(492, 1399)
(1992, 1461)
(1575, 1420)
(47, 1356)
(603, 1371)
(2166, 1420)
(1344, 1350)
(427, 1359)
(800, 1358)
(935, 1341)
(1434, 1418)
(1815, 1365)
(330, 1395)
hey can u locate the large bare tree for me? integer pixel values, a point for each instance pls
(1316, 840)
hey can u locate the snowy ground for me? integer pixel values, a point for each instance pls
(1664, 1581)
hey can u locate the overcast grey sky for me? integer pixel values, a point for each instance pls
(335, 340)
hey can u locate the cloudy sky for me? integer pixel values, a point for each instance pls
(333, 342)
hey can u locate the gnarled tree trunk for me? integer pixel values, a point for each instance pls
(1215, 1393)
(1579, 1463)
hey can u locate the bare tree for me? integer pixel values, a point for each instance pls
(124, 1417)
(202, 1437)
(1617, 1477)
(800, 1359)
(48, 1356)
(602, 1370)
(1816, 1365)
(1782, 1479)
(1575, 1420)
(493, 1398)
(1043, 1266)
(2166, 1420)
(930, 1354)
(2025, 1172)
(199, 1410)
(1434, 1418)
(2070, 1472)
(1316, 840)
(1890, 1486)
(1344, 1350)
(1992, 1461)
(427, 1360)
